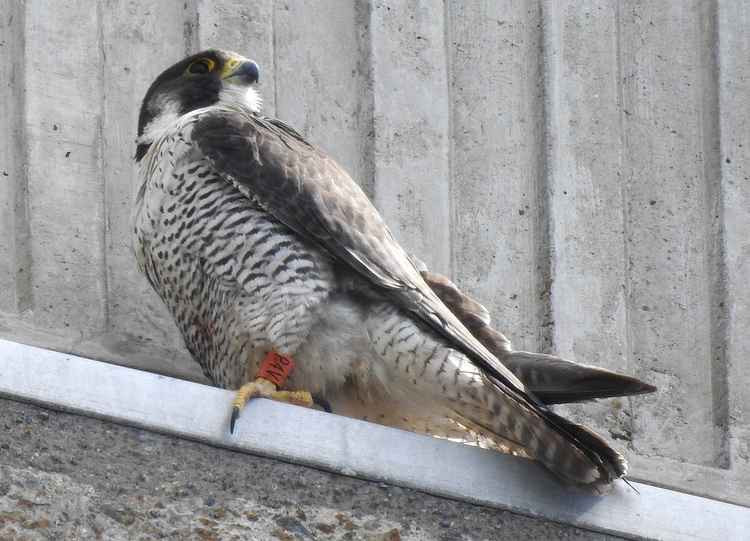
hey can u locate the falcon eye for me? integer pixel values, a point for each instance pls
(201, 66)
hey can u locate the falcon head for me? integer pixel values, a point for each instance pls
(207, 78)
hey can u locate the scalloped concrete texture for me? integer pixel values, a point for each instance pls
(581, 166)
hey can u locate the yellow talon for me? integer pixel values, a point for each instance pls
(252, 389)
(300, 398)
(263, 388)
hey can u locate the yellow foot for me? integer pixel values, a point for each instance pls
(262, 388)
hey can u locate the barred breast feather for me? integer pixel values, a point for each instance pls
(236, 280)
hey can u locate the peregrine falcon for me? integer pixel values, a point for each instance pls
(286, 283)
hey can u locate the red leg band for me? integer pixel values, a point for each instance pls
(276, 368)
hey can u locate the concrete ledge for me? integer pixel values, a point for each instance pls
(354, 448)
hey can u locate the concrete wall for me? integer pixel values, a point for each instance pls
(581, 167)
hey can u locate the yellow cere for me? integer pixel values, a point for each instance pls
(230, 65)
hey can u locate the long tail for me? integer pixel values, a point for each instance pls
(572, 452)
(551, 379)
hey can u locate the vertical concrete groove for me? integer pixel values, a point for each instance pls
(191, 27)
(102, 166)
(275, 57)
(447, 33)
(363, 10)
(627, 285)
(715, 253)
(543, 219)
(21, 223)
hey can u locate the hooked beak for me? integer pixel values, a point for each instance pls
(240, 70)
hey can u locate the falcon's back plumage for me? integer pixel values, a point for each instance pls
(257, 241)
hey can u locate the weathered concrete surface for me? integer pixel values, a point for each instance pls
(582, 167)
(412, 125)
(732, 331)
(68, 477)
(498, 117)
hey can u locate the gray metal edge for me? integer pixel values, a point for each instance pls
(356, 448)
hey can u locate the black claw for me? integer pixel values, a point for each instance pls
(323, 403)
(233, 420)
(631, 486)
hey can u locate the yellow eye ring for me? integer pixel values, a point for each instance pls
(201, 66)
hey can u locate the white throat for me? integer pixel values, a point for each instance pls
(243, 96)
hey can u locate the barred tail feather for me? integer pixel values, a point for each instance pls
(572, 452)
